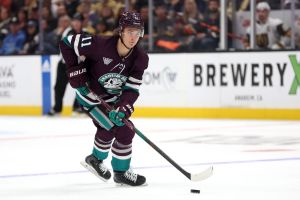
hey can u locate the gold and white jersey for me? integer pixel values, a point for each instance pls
(271, 35)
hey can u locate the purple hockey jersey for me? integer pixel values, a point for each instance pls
(109, 75)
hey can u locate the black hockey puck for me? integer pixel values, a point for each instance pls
(195, 191)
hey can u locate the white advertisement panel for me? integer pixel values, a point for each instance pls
(216, 80)
(20, 81)
(164, 82)
(245, 80)
(259, 80)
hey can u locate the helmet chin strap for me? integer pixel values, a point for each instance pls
(123, 42)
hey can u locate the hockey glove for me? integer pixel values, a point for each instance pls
(117, 115)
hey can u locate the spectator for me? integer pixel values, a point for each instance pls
(6, 4)
(61, 10)
(22, 17)
(139, 4)
(118, 5)
(50, 41)
(208, 30)
(14, 40)
(115, 5)
(85, 8)
(58, 8)
(191, 12)
(271, 33)
(144, 11)
(71, 6)
(201, 5)
(107, 14)
(164, 30)
(186, 24)
(4, 23)
(163, 26)
(34, 14)
(17, 5)
(174, 7)
(102, 28)
(52, 38)
(32, 39)
(47, 15)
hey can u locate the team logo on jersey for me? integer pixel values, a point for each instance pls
(296, 81)
(106, 61)
(112, 82)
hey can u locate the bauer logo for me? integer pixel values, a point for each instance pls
(296, 81)
(77, 72)
(165, 78)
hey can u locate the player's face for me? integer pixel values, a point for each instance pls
(131, 36)
(262, 15)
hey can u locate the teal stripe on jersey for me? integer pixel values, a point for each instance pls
(83, 90)
(65, 39)
(83, 102)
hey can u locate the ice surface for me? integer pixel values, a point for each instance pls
(40, 159)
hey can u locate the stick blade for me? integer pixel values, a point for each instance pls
(202, 175)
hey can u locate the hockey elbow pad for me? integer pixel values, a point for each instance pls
(77, 75)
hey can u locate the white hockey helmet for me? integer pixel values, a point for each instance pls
(263, 6)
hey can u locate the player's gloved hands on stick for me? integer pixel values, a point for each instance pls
(122, 112)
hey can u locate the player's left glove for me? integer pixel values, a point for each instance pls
(121, 112)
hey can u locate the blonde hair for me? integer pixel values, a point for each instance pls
(193, 13)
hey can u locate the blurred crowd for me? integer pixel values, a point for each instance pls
(178, 25)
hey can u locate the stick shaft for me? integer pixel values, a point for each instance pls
(163, 154)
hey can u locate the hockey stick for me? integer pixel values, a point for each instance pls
(193, 177)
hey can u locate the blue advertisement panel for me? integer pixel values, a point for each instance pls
(46, 84)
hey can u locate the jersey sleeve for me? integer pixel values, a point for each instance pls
(131, 88)
(75, 49)
(82, 44)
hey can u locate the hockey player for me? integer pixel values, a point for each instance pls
(112, 68)
(271, 33)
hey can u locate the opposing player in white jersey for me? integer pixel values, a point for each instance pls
(271, 33)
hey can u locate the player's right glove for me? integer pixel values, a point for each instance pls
(121, 112)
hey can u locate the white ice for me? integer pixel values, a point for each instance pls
(253, 160)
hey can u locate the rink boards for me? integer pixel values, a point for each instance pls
(258, 85)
